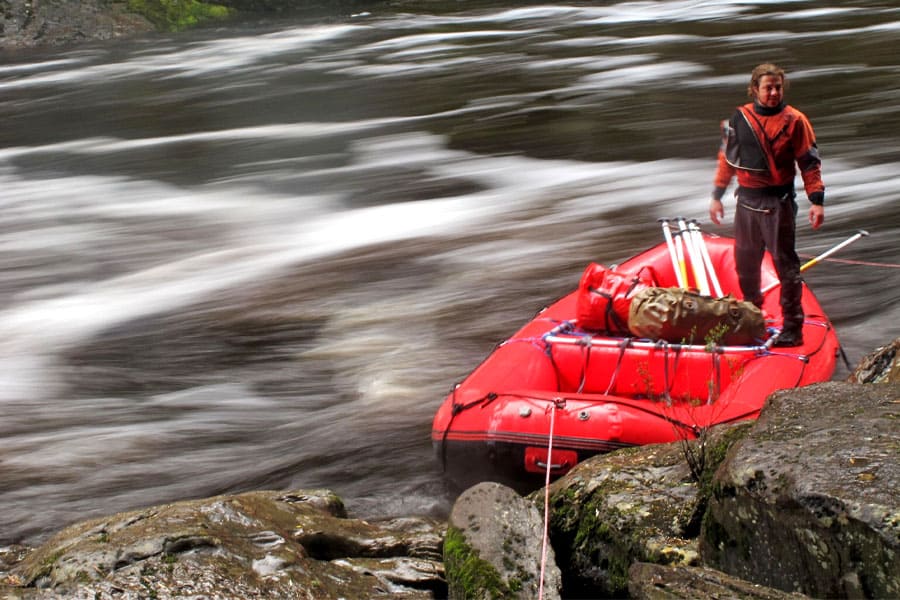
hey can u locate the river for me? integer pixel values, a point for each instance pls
(258, 256)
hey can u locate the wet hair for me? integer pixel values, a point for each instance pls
(761, 71)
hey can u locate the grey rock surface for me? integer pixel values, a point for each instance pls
(255, 545)
(506, 531)
(659, 582)
(38, 23)
(808, 500)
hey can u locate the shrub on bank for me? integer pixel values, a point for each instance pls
(175, 15)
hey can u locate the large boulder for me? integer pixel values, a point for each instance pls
(254, 545)
(494, 547)
(637, 505)
(808, 500)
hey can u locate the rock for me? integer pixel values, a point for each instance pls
(494, 546)
(657, 582)
(327, 537)
(636, 505)
(881, 366)
(808, 500)
(402, 573)
(801, 501)
(254, 545)
(32, 23)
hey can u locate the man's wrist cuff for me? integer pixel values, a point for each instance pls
(718, 192)
(817, 198)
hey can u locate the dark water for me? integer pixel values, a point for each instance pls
(259, 257)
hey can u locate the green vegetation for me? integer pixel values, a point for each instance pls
(175, 15)
(471, 573)
(715, 336)
(585, 534)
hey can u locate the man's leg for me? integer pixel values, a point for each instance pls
(749, 247)
(787, 264)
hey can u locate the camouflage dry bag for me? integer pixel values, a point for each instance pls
(686, 317)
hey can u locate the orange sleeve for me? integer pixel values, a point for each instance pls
(806, 152)
(724, 171)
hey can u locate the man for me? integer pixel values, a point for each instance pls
(763, 143)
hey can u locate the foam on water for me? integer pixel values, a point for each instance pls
(260, 235)
(214, 57)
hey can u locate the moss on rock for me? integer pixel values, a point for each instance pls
(635, 505)
(175, 15)
(475, 577)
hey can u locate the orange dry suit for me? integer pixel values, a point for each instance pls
(762, 145)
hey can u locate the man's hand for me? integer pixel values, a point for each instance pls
(717, 211)
(816, 215)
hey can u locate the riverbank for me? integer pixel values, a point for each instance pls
(795, 503)
(28, 24)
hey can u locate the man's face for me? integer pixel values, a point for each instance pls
(770, 90)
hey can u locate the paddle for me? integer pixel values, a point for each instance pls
(696, 258)
(707, 260)
(821, 257)
(677, 263)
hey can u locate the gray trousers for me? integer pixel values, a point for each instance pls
(766, 221)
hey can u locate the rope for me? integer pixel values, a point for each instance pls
(846, 360)
(715, 385)
(455, 410)
(668, 384)
(557, 403)
(585, 364)
(623, 347)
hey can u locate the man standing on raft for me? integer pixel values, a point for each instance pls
(762, 143)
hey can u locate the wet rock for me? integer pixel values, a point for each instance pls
(33, 23)
(657, 582)
(403, 573)
(326, 537)
(253, 545)
(808, 500)
(10, 556)
(881, 366)
(494, 547)
(637, 505)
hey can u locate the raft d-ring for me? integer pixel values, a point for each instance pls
(559, 403)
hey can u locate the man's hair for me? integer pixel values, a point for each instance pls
(761, 71)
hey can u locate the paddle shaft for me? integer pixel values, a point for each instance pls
(696, 258)
(682, 264)
(707, 260)
(822, 256)
(677, 265)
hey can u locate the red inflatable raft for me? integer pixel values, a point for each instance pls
(591, 393)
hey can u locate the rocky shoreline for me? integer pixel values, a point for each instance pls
(34, 24)
(800, 503)
(26, 24)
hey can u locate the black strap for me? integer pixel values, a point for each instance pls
(458, 408)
